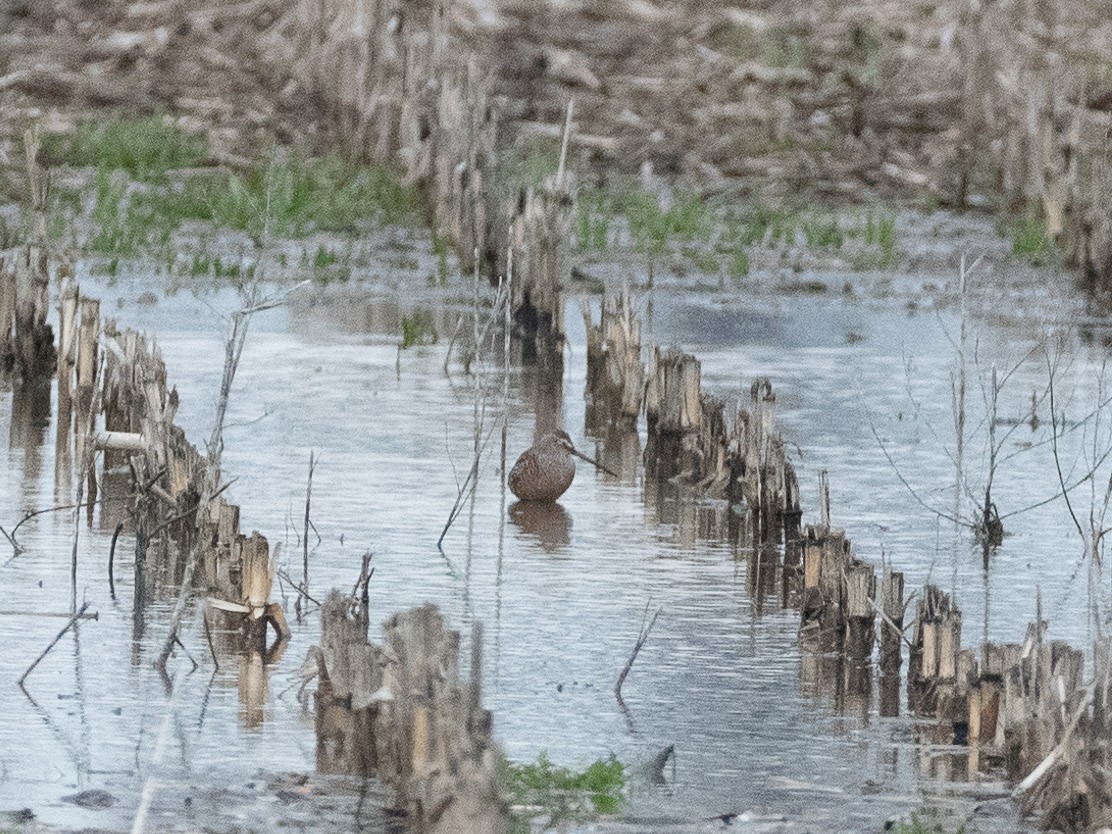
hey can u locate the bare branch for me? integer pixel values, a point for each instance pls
(77, 616)
(1054, 439)
(909, 487)
(641, 638)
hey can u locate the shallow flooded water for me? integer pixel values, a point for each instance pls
(561, 594)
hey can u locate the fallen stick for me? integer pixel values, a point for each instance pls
(641, 638)
(15, 545)
(296, 586)
(36, 513)
(305, 536)
(9, 612)
(1059, 750)
(208, 637)
(73, 619)
(112, 559)
(188, 653)
(888, 620)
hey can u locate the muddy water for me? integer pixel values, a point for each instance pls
(561, 594)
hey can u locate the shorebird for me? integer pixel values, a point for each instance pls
(545, 470)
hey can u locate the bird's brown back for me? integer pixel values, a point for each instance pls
(542, 473)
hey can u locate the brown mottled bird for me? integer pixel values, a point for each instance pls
(545, 470)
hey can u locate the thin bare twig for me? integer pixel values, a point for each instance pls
(285, 577)
(15, 545)
(189, 654)
(77, 616)
(1054, 446)
(208, 637)
(305, 538)
(641, 638)
(233, 350)
(112, 559)
(361, 591)
(86, 465)
(561, 167)
(465, 489)
(451, 343)
(909, 487)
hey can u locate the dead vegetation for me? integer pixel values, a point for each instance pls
(830, 100)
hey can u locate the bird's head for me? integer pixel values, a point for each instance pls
(561, 439)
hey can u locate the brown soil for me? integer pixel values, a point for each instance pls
(834, 100)
(842, 100)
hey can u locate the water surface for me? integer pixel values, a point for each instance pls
(562, 595)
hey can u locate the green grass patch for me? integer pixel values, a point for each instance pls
(564, 793)
(876, 229)
(200, 265)
(655, 226)
(290, 200)
(593, 220)
(718, 238)
(146, 147)
(324, 258)
(759, 223)
(125, 226)
(733, 246)
(772, 226)
(1030, 240)
(880, 231)
(704, 260)
(822, 231)
(440, 248)
(226, 270)
(418, 328)
(294, 198)
(109, 268)
(783, 50)
(737, 266)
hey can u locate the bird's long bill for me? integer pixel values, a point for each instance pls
(594, 462)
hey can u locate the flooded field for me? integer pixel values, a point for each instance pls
(757, 727)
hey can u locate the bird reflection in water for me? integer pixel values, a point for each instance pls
(547, 521)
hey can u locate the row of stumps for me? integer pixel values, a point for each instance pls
(421, 729)
(401, 711)
(1024, 706)
(398, 711)
(120, 377)
(694, 442)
